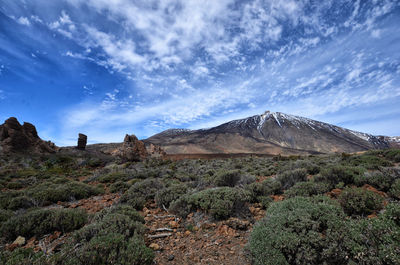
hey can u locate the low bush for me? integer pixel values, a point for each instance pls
(21, 256)
(289, 178)
(368, 161)
(376, 240)
(377, 179)
(169, 194)
(113, 177)
(267, 187)
(50, 192)
(395, 189)
(359, 201)
(140, 192)
(5, 215)
(393, 154)
(119, 186)
(227, 178)
(307, 189)
(220, 203)
(114, 237)
(300, 231)
(41, 222)
(333, 175)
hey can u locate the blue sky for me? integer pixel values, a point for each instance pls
(111, 67)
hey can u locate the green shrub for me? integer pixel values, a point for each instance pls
(395, 189)
(50, 192)
(379, 180)
(335, 174)
(227, 178)
(119, 186)
(392, 212)
(267, 187)
(359, 201)
(41, 222)
(300, 231)
(20, 202)
(220, 203)
(375, 241)
(289, 178)
(265, 201)
(114, 237)
(393, 154)
(368, 161)
(113, 177)
(140, 192)
(167, 195)
(20, 256)
(5, 215)
(307, 189)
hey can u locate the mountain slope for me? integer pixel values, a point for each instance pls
(269, 133)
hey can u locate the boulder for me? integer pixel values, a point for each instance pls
(155, 151)
(82, 140)
(132, 149)
(15, 137)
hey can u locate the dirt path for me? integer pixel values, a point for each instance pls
(197, 240)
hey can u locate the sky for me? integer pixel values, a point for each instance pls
(111, 67)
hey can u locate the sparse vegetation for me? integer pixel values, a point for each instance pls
(307, 227)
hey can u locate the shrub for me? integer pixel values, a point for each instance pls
(267, 187)
(20, 256)
(392, 212)
(265, 201)
(114, 237)
(336, 174)
(113, 177)
(395, 189)
(119, 186)
(307, 189)
(375, 241)
(393, 154)
(227, 178)
(20, 202)
(359, 201)
(377, 179)
(289, 178)
(140, 192)
(49, 192)
(41, 222)
(5, 215)
(300, 231)
(167, 195)
(220, 203)
(368, 161)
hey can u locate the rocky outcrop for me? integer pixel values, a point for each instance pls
(15, 137)
(82, 140)
(131, 149)
(155, 151)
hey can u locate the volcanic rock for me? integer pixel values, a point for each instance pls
(15, 137)
(82, 140)
(132, 149)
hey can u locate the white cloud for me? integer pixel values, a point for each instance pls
(24, 21)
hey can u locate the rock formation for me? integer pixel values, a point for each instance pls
(132, 149)
(155, 151)
(82, 140)
(15, 137)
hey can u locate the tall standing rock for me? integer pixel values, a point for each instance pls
(132, 149)
(82, 141)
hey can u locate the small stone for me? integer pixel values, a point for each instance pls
(20, 241)
(154, 246)
(171, 257)
(173, 224)
(187, 233)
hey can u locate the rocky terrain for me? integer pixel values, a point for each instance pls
(269, 133)
(15, 137)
